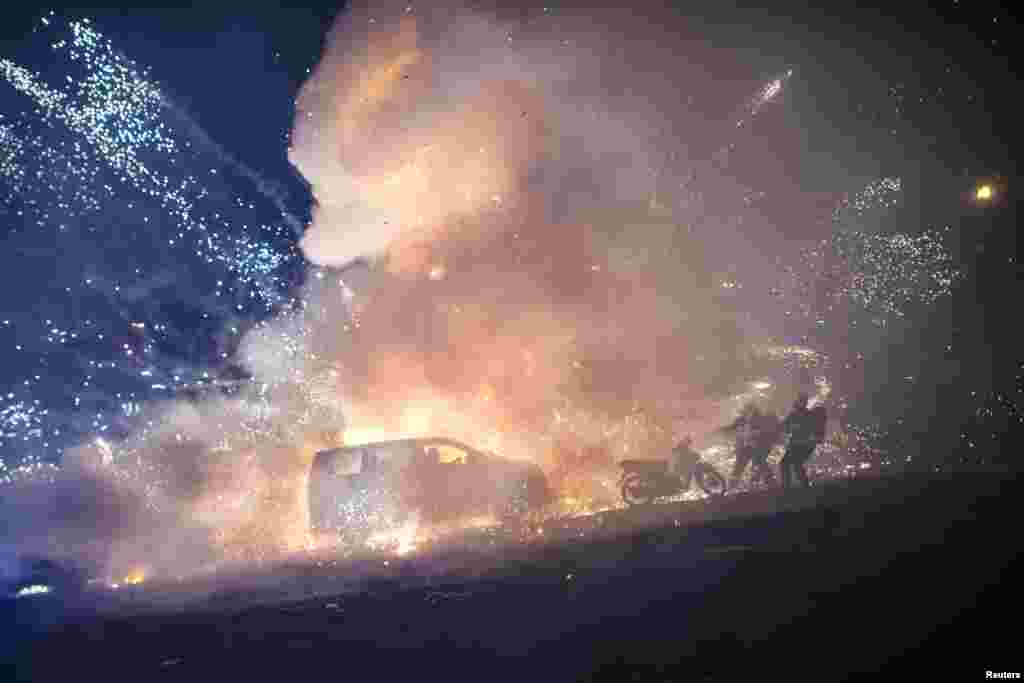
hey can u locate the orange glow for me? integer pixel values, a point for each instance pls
(380, 83)
(402, 541)
(135, 577)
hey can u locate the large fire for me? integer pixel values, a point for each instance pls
(401, 541)
(499, 259)
(135, 576)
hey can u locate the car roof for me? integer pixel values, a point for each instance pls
(402, 442)
(413, 440)
(325, 456)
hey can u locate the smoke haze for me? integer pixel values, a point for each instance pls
(515, 215)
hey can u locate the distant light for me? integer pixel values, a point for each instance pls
(985, 192)
(34, 589)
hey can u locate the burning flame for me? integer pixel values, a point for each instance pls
(401, 541)
(135, 576)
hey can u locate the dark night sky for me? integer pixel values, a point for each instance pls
(924, 92)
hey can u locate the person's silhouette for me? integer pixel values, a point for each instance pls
(683, 460)
(806, 429)
(743, 428)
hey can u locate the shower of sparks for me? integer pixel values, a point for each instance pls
(127, 127)
(100, 156)
(880, 194)
(881, 273)
(998, 416)
(749, 111)
(795, 357)
(29, 469)
(766, 94)
(888, 273)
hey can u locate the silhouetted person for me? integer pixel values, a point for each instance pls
(744, 429)
(767, 433)
(806, 429)
(683, 460)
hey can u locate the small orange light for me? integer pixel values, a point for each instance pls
(136, 577)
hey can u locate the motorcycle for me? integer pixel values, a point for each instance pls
(645, 480)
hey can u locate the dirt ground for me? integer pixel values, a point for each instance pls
(910, 574)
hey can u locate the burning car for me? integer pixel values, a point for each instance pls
(363, 487)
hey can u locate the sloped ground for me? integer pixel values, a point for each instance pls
(899, 575)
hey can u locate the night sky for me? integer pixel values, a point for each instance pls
(924, 96)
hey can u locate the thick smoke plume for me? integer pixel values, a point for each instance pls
(514, 185)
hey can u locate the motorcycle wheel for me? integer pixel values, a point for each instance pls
(712, 483)
(635, 491)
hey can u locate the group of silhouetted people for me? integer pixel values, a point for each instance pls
(756, 433)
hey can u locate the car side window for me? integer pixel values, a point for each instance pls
(450, 455)
(371, 461)
(390, 457)
(345, 462)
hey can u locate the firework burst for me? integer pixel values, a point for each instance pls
(102, 156)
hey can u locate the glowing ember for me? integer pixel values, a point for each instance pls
(985, 192)
(400, 541)
(135, 577)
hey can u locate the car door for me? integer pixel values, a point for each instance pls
(333, 481)
(454, 480)
(487, 478)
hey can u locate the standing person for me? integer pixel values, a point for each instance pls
(819, 420)
(806, 429)
(683, 460)
(743, 427)
(767, 433)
